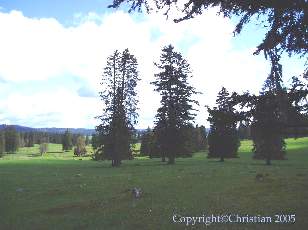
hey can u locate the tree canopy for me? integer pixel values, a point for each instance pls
(286, 20)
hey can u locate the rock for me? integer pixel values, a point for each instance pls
(137, 192)
(19, 190)
(259, 177)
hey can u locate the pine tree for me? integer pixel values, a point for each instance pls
(223, 138)
(2, 143)
(67, 141)
(87, 141)
(146, 142)
(120, 113)
(267, 129)
(11, 139)
(270, 115)
(176, 108)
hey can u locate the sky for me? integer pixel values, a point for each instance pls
(52, 55)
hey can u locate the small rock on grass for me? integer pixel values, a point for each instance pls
(19, 190)
(137, 192)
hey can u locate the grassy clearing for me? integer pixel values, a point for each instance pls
(59, 191)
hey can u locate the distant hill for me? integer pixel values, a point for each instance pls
(82, 131)
(20, 128)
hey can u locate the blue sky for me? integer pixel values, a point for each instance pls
(53, 52)
(63, 11)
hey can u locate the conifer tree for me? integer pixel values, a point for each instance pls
(67, 141)
(120, 113)
(176, 111)
(270, 115)
(223, 138)
(2, 143)
(146, 142)
(11, 139)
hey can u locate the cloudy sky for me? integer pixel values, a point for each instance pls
(52, 54)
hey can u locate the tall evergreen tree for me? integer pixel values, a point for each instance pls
(146, 142)
(270, 115)
(176, 108)
(67, 141)
(223, 138)
(267, 129)
(11, 139)
(2, 143)
(87, 141)
(120, 113)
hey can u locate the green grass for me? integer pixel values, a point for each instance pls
(59, 191)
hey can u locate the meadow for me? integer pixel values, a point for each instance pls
(59, 191)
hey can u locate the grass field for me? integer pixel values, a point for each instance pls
(59, 191)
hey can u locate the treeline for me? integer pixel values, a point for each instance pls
(267, 118)
(11, 140)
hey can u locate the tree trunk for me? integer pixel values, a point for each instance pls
(163, 159)
(268, 159)
(222, 159)
(115, 163)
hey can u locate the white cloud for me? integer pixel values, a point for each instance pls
(43, 49)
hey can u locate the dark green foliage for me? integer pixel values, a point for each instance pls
(96, 140)
(199, 138)
(2, 143)
(87, 141)
(298, 114)
(270, 115)
(119, 96)
(67, 141)
(11, 139)
(147, 140)
(223, 138)
(286, 20)
(175, 113)
(29, 139)
(267, 129)
(195, 139)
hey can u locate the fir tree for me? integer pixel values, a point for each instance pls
(2, 143)
(119, 96)
(67, 141)
(176, 108)
(223, 139)
(11, 139)
(146, 142)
